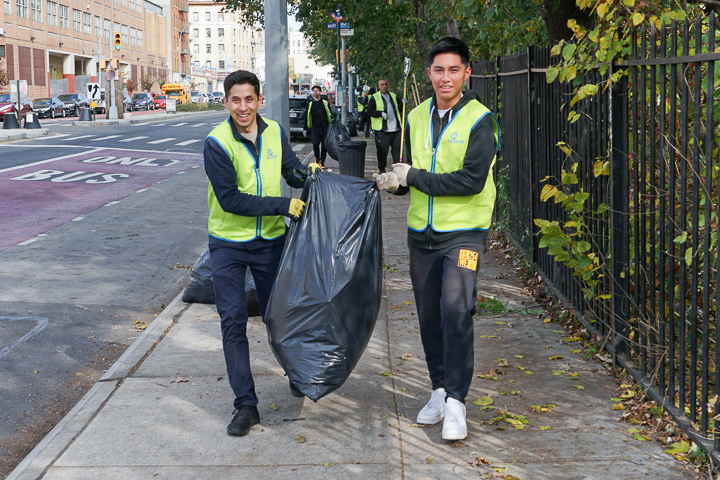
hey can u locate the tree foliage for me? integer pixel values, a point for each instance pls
(3, 75)
(147, 82)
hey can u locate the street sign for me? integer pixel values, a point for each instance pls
(93, 91)
(333, 25)
(93, 104)
(347, 32)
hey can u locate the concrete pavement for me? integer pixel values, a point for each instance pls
(161, 411)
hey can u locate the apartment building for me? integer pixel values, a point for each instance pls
(55, 45)
(219, 42)
(302, 64)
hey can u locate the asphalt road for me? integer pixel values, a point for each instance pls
(99, 227)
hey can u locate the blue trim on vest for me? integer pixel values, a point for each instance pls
(221, 145)
(496, 123)
(233, 241)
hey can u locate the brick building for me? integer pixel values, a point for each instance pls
(55, 44)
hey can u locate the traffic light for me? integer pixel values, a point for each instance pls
(116, 36)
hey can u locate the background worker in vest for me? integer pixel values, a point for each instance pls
(245, 158)
(385, 119)
(447, 236)
(362, 101)
(318, 119)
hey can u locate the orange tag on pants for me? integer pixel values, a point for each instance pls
(468, 259)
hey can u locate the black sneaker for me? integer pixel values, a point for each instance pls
(295, 391)
(243, 418)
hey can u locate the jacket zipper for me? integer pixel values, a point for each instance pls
(258, 220)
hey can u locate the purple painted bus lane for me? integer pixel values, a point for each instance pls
(40, 196)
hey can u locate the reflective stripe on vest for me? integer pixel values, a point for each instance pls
(309, 115)
(254, 178)
(448, 213)
(377, 122)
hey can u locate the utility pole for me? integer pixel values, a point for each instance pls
(343, 115)
(276, 96)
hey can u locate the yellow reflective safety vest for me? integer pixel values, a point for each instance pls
(377, 122)
(361, 107)
(448, 213)
(309, 115)
(255, 176)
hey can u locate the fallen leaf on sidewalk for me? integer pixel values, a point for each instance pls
(543, 427)
(487, 377)
(528, 372)
(273, 406)
(618, 406)
(180, 380)
(519, 356)
(515, 392)
(558, 331)
(579, 387)
(558, 372)
(301, 439)
(417, 425)
(555, 357)
(547, 320)
(385, 374)
(577, 350)
(430, 459)
(504, 363)
(541, 408)
(483, 401)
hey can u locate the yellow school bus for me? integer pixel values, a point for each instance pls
(178, 91)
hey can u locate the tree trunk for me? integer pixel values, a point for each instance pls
(556, 19)
(452, 26)
(422, 47)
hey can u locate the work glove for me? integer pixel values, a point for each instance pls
(384, 115)
(297, 208)
(386, 181)
(401, 172)
(314, 167)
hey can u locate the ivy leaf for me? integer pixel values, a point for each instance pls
(629, 3)
(689, 256)
(569, 50)
(679, 447)
(681, 238)
(552, 73)
(548, 192)
(638, 18)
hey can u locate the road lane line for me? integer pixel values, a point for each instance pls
(28, 242)
(297, 148)
(131, 139)
(180, 124)
(10, 169)
(40, 324)
(77, 219)
(53, 136)
(187, 142)
(198, 125)
(162, 140)
(81, 136)
(105, 138)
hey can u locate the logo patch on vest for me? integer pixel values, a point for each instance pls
(270, 154)
(468, 259)
(453, 138)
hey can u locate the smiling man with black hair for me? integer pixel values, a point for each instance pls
(452, 140)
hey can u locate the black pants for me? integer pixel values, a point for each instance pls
(365, 123)
(228, 269)
(385, 141)
(446, 294)
(318, 140)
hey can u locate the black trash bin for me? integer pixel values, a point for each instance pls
(351, 156)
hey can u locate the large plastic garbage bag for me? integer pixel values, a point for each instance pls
(336, 133)
(326, 296)
(200, 289)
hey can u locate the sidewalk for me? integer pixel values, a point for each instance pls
(161, 411)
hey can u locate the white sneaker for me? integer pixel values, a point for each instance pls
(454, 426)
(432, 412)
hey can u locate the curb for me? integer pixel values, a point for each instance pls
(21, 135)
(50, 448)
(131, 120)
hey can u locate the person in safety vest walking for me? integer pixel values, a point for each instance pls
(452, 140)
(362, 101)
(385, 122)
(245, 157)
(318, 119)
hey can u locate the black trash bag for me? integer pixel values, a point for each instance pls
(201, 288)
(326, 296)
(336, 133)
(352, 128)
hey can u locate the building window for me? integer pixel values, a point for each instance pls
(208, 64)
(208, 47)
(221, 48)
(196, 33)
(36, 6)
(64, 16)
(197, 48)
(116, 27)
(140, 38)
(7, 7)
(221, 17)
(133, 36)
(52, 13)
(221, 32)
(22, 8)
(87, 23)
(208, 33)
(98, 27)
(131, 4)
(124, 34)
(207, 16)
(106, 23)
(221, 65)
(124, 3)
(195, 16)
(138, 7)
(77, 20)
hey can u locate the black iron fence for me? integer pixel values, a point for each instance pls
(645, 151)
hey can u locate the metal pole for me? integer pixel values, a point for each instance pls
(276, 97)
(351, 96)
(343, 115)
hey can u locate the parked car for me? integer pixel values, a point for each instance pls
(74, 102)
(298, 115)
(127, 104)
(159, 101)
(49, 107)
(206, 97)
(6, 106)
(142, 101)
(195, 96)
(217, 97)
